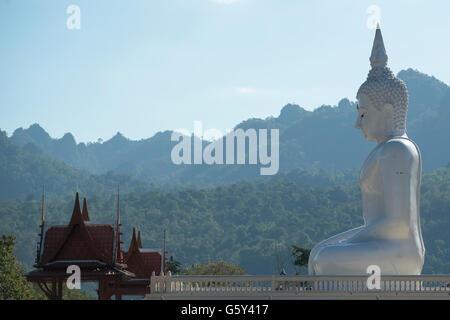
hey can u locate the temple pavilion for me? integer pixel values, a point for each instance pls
(97, 250)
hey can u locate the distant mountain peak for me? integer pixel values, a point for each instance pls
(345, 103)
(35, 134)
(119, 135)
(426, 93)
(118, 138)
(37, 131)
(164, 134)
(69, 138)
(291, 112)
(414, 74)
(35, 126)
(292, 107)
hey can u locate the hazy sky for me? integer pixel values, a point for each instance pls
(142, 66)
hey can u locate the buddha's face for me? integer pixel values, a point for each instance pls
(374, 123)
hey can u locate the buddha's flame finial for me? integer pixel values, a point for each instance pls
(379, 57)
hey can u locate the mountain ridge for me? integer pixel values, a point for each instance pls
(322, 138)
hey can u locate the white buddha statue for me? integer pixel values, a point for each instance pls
(390, 185)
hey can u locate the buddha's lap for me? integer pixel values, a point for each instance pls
(390, 256)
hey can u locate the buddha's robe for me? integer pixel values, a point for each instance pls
(391, 236)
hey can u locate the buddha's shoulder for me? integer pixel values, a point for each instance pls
(399, 148)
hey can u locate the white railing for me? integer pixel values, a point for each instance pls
(284, 287)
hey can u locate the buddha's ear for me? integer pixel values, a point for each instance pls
(389, 110)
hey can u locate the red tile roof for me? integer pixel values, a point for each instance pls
(152, 261)
(102, 240)
(79, 241)
(142, 262)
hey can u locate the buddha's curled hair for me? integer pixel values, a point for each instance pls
(383, 87)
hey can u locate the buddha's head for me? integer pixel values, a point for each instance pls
(382, 98)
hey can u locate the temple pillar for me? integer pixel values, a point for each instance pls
(59, 289)
(105, 290)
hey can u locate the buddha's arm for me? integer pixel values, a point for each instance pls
(397, 166)
(399, 171)
(382, 228)
(340, 237)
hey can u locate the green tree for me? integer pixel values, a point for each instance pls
(301, 257)
(214, 268)
(173, 266)
(13, 285)
(76, 294)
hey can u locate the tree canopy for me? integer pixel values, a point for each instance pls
(213, 268)
(13, 285)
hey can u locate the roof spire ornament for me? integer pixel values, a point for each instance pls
(43, 205)
(41, 235)
(134, 246)
(84, 211)
(378, 57)
(139, 241)
(119, 253)
(76, 214)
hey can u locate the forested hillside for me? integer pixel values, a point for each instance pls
(249, 224)
(23, 173)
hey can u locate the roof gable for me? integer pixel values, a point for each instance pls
(75, 242)
(141, 263)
